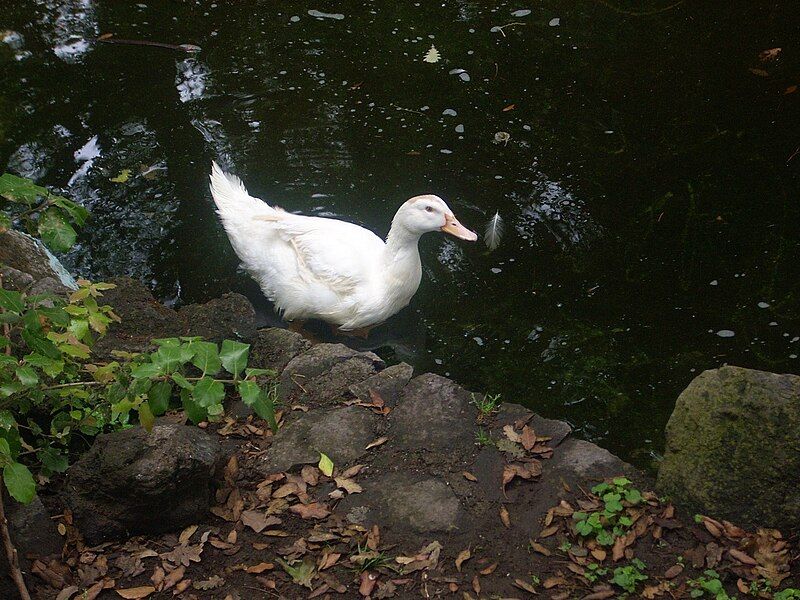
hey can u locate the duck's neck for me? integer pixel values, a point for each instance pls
(401, 257)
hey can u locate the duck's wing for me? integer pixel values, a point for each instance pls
(336, 254)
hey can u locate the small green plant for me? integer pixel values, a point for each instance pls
(595, 572)
(482, 438)
(787, 594)
(708, 585)
(536, 580)
(611, 521)
(628, 577)
(565, 546)
(486, 404)
(367, 560)
(41, 213)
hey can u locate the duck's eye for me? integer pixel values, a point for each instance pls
(429, 208)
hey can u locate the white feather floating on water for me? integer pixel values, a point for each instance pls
(432, 55)
(494, 231)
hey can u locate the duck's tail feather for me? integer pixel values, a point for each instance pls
(232, 200)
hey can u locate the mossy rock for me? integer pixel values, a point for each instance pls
(733, 447)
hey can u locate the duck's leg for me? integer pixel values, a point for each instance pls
(361, 332)
(298, 327)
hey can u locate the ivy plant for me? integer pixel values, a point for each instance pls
(52, 217)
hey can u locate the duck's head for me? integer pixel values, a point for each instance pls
(422, 214)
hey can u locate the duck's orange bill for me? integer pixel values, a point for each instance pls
(454, 228)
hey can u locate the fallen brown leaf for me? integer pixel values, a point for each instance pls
(490, 569)
(462, 557)
(476, 585)
(552, 582)
(769, 55)
(469, 476)
(379, 442)
(528, 438)
(504, 516)
(368, 581)
(260, 568)
(314, 510)
(537, 547)
(257, 521)
(137, 593)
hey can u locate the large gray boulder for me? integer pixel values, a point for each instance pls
(733, 447)
(133, 482)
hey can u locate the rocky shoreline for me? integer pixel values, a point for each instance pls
(431, 495)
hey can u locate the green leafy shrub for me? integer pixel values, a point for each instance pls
(628, 577)
(54, 397)
(611, 520)
(41, 213)
(708, 585)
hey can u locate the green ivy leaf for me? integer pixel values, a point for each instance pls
(248, 373)
(206, 357)
(55, 231)
(234, 356)
(53, 460)
(146, 417)
(146, 370)
(50, 366)
(76, 212)
(158, 397)
(27, 376)
(20, 189)
(192, 408)
(182, 381)
(256, 398)
(19, 481)
(11, 301)
(5, 449)
(7, 420)
(208, 391)
(170, 357)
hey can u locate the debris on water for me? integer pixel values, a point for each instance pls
(494, 231)
(449, 112)
(462, 74)
(523, 12)
(478, 341)
(725, 333)
(555, 22)
(763, 305)
(432, 55)
(459, 128)
(714, 282)
(502, 137)
(322, 15)
(496, 270)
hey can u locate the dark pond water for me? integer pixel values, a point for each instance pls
(649, 179)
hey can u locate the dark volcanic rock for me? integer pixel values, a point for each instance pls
(403, 501)
(274, 347)
(33, 533)
(341, 433)
(326, 372)
(231, 317)
(142, 318)
(433, 414)
(732, 447)
(14, 279)
(132, 482)
(556, 430)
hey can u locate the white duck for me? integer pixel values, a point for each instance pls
(320, 268)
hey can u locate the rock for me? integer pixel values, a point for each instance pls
(131, 482)
(434, 414)
(142, 319)
(34, 534)
(401, 501)
(230, 317)
(341, 433)
(326, 372)
(732, 447)
(387, 384)
(14, 279)
(28, 255)
(49, 285)
(274, 347)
